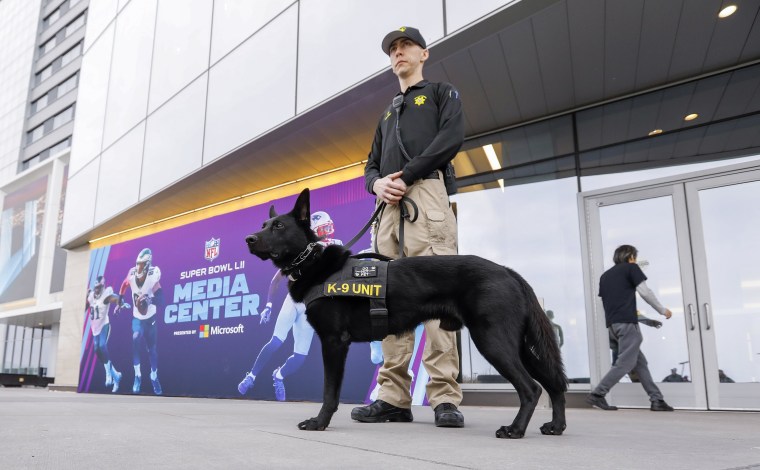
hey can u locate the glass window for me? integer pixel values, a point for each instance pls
(546, 253)
(52, 18)
(64, 117)
(60, 146)
(45, 74)
(26, 350)
(46, 351)
(72, 54)
(35, 134)
(75, 25)
(73, 2)
(48, 46)
(30, 162)
(34, 363)
(9, 338)
(40, 103)
(67, 86)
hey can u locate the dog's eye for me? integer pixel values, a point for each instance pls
(278, 225)
(274, 255)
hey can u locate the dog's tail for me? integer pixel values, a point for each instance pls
(541, 350)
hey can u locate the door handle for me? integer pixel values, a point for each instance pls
(707, 316)
(691, 316)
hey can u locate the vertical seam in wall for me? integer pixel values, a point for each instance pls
(298, 47)
(99, 156)
(208, 83)
(147, 104)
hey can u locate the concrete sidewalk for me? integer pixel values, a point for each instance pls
(48, 429)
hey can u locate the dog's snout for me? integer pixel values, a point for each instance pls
(251, 239)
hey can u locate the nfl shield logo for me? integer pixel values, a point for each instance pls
(212, 249)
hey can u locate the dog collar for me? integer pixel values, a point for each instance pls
(303, 256)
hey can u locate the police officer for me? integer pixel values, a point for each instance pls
(417, 136)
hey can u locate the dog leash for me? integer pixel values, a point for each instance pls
(405, 214)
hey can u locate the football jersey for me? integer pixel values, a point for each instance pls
(151, 279)
(99, 310)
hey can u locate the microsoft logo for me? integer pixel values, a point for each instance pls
(204, 331)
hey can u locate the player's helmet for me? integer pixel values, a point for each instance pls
(98, 286)
(322, 224)
(143, 262)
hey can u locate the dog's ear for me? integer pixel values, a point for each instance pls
(301, 209)
(272, 213)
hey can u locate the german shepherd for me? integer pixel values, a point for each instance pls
(496, 304)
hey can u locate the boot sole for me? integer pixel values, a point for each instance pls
(392, 418)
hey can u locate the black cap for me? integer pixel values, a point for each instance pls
(403, 32)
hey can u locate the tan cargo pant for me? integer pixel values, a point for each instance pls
(434, 233)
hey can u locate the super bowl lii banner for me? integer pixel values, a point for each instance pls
(189, 312)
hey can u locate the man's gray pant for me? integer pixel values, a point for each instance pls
(630, 359)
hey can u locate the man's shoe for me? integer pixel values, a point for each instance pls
(136, 384)
(246, 384)
(380, 412)
(448, 416)
(660, 405)
(279, 386)
(599, 402)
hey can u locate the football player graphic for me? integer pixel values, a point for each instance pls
(99, 300)
(147, 300)
(291, 316)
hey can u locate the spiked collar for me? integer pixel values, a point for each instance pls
(293, 270)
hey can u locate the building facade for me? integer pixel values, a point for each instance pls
(588, 125)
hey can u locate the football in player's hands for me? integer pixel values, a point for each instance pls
(143, 302)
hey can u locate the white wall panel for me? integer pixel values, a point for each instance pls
(174, 139)
(80, 201)
(235, 20)
(463, 12)
(119, 181)
(339, 42)
(180, 53)
(130, 69)
(91, 102)
(252, 89)
(99, 14)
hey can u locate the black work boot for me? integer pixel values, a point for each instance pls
(380, 412)
(448, 416)
(660, 405)
(599, 402)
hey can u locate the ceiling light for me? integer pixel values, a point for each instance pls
(691, 117)
(656, 131)
(727, 11)
(493, 160)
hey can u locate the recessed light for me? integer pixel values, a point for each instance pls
(691, 117)
(656, 131)
(727, 11)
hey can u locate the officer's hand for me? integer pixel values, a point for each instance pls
(265, 313)
(668, 314)
(390, 188)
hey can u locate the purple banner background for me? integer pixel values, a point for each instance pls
(189, 365)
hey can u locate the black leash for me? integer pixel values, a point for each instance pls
(366, 227)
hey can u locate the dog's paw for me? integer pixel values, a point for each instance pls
(506, 432)
(551, 429)
(310, 424)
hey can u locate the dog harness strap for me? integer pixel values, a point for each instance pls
(378, 316)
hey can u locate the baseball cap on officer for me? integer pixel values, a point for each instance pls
(403, 32)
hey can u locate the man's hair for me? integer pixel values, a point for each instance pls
(624, 252)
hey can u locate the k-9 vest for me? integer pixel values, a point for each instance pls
(359, 278)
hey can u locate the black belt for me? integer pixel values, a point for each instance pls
(433, 176)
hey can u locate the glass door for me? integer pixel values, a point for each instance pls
(654, 221)
(698, 238)
(724, 215)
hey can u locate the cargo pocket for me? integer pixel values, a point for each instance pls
(436, 222)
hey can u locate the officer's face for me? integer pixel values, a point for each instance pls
(406, 56)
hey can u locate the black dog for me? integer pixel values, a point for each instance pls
(498, 307)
